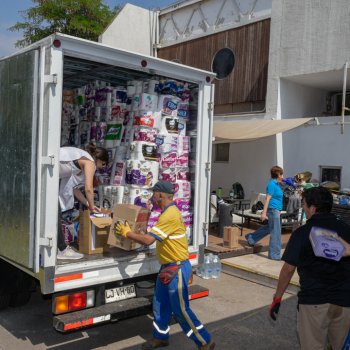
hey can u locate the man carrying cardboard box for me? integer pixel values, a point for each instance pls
(171, 294)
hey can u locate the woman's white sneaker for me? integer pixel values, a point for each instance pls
(69, 254)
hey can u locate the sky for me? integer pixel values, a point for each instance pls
(10, 14)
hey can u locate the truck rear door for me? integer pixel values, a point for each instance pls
(19, 85)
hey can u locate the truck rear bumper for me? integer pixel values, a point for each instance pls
(114, 311)
(101, 314)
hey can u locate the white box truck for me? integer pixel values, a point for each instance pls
(32, 82)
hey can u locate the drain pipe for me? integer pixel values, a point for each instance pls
(343, 108)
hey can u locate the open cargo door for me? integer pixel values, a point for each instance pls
(18, 171)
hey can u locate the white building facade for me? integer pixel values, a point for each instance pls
(308, 47)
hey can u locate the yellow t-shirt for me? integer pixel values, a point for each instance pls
(170, 233)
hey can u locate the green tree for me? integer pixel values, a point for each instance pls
(82, 18)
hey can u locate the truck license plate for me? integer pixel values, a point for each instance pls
(120, 293)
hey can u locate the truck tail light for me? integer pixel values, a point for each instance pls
(77, 301)
(73, 302)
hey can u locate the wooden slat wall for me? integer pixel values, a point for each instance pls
(250, 44)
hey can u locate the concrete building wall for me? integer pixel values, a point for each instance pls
(301, 101)
(249, 164)
(307, 37)
(132, 29)
(307, 148)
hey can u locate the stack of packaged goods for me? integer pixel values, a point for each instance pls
(173, 104)
(143, 126)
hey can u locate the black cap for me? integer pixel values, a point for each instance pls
(163, 186)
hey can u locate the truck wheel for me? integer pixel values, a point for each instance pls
(24, 286)
(5, 298)
(20, 298)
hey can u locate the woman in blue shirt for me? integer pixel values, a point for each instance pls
(271, 212)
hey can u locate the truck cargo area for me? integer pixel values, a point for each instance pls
(154, 118)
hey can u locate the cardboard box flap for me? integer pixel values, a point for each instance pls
(101, 222)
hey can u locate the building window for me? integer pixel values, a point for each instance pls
(222, 152)
(330, 173)
(223, 63)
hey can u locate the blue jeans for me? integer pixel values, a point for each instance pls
(273, 228)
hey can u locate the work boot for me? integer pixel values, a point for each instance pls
(209, 346)
(155, 343)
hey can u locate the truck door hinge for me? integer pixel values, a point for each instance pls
(205, 226)
(48, 160)
(46, 242)
(207, 166)
(210, 106)
(50, 79)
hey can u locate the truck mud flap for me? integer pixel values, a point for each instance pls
(102, 314)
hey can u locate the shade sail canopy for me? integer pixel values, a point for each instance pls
(249, 130)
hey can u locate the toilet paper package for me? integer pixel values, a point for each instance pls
(183, 144)
(182, 189)
(151, 86)
(153, 218)
(130, 89)
(183, 204)
(141, 133)
(169, 125)
(167, 174)
(120, 173)
(110, 195)
(142, 172)
(167, 143)
(138, 196)
(181, 127)
(119, 95)
(167, 104)
(84, 131)
(118, 110)
(127, 135)
(141, 150)
(167, 160)
(114, 133)
(182, 159)
(147, 119)
(183, 110)
(183, 174)
(187, 218)
(145, 101)
(139, 85)
(121, 153)
(101, 131)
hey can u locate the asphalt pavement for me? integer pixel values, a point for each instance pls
(235, 313)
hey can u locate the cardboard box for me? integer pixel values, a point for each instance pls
(325, 244)
(93, 232)
(137, 218)
(231, 235)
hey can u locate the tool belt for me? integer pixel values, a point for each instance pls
(167, 273)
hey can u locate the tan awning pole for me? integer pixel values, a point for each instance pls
(343, 108)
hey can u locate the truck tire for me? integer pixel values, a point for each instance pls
(20, 298)
(24, 287)
(5, 298)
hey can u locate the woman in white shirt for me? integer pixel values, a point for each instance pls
(77, 167)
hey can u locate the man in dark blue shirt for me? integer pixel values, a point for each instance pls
(324, 296)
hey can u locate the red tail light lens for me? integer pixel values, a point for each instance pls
(77, 301)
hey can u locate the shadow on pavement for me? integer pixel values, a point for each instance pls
(31, 325)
